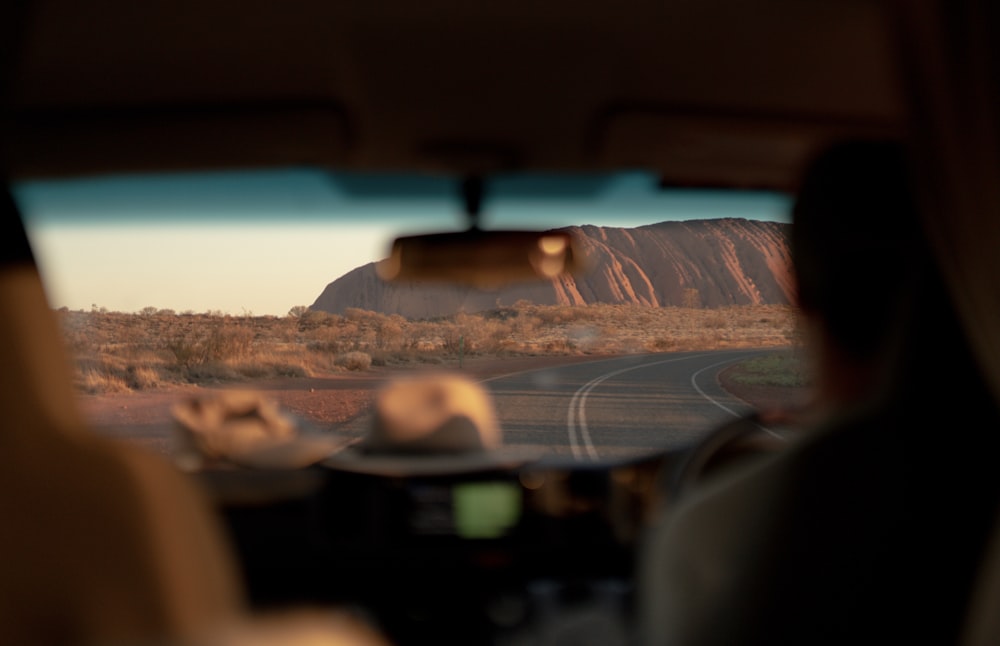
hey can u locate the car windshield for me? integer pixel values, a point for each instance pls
(168, 285)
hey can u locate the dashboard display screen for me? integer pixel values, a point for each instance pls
(470, 510)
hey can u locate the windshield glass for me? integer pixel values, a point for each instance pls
(265, 280)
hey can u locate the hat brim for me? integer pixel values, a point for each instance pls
(355, 460)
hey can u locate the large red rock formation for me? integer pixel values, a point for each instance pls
(704, 263)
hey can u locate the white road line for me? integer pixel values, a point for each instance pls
(576, 418)
(580, 442)
(694, 383)
(572, 434)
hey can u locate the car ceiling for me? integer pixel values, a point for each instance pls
(704, 92)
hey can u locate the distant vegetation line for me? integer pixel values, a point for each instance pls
(121, 352)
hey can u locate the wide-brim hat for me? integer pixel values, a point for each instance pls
(431, 424)
(246, 429)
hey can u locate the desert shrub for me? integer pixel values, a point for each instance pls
(662, 344)
(360, 315)
(211, 372)
(332, 338)
(717, 320)
(266, 369)
(325, 347)
(142, 378)
(291, 370)
(559, 346)
(312, 319)
(488, 336)
(186, 351)
(95, 382)
(222, 341)
(555, 314)
(422, 336)
(253, 370)
(355, 360)
(389, 333)
(228, 341)
(453, 339)
(525, 325)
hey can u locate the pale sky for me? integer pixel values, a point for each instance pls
(263, 242)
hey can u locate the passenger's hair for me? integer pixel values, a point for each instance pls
(857, 243)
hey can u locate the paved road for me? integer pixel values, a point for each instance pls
(619, 406)
(613, 407)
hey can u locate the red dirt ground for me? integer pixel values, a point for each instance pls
(145, 417)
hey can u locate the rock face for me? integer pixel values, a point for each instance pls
(700, 263)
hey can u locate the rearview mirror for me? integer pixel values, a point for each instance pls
(485, 259)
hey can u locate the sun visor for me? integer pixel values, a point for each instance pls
(718, 150)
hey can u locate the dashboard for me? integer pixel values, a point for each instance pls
(480, 557)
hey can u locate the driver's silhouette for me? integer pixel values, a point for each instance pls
(852, 532)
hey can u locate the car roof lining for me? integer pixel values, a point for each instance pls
(532, 86)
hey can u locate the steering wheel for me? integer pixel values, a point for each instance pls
(736, 442)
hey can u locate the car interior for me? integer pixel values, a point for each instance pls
(104, 544)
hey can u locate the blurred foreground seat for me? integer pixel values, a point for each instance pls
(101, 543)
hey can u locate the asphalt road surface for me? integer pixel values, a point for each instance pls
(615, 407)
(619, 406)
